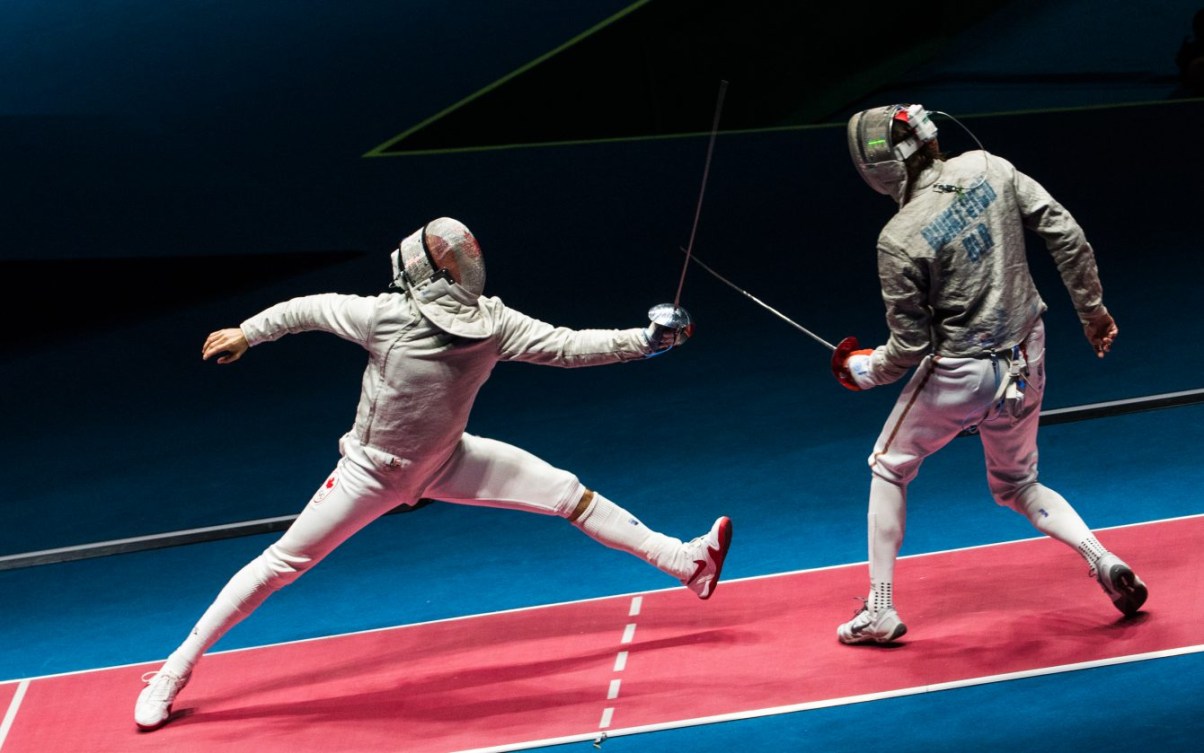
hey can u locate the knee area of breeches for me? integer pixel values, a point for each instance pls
(892, 469)
(573, 495)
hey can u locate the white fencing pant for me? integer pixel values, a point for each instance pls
(943, 398)
(364, 486)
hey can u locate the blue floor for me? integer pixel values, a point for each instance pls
(126, 432)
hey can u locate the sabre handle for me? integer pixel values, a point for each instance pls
(840, 362)
(668, 327)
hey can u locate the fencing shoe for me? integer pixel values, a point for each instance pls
(153, 708)
(706, 553)
(1122, 585)
(869, 626)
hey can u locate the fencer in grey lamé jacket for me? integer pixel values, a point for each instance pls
(421, 380)
(953, 269)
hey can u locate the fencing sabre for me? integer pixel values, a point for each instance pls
(840, 352)
(763, 304)
(705, 172)
(672, 315)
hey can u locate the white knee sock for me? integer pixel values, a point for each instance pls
(1052, 515)
(1091, 550)
(611, 525)
(214, 623)
(886, 525)
(881, 596)
(241, 596)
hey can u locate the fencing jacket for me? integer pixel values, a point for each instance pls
(421, 381)
(953, 269)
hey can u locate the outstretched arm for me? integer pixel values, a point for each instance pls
(231, 342)
(524, 338)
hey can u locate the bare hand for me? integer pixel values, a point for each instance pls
(1101, 331)
(231, 342)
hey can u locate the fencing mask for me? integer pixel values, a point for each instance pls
(443, 249)
(878, 155)
(442, 268)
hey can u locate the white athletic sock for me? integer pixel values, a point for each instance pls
(1052, 515)
(214, 623)
(611, 525)
(241, 596)
(1091, 550)
(881, 596)
(886, 524)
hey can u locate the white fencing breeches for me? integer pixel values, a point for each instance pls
(945, 397)
(364, 487)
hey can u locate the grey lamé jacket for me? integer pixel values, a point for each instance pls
(421, 380)
(953, 269)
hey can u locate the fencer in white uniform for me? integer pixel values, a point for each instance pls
(432, 342)
(964, 313)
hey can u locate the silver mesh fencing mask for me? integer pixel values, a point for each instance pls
(878, 157)
(442, 249)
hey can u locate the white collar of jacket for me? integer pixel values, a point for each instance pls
(453, 309)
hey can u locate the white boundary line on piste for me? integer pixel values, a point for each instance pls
(553, 605)
(11, 714)
(603, 732)
(847, 700)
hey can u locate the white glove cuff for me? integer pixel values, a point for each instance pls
(859, 370)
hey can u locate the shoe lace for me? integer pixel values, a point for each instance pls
(163, 684)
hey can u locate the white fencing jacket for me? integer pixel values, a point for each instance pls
(421, 381)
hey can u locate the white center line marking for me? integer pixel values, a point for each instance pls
(614, 690)
(637, 603)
